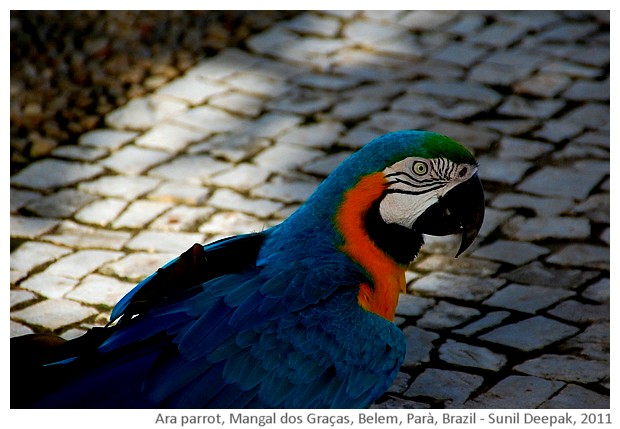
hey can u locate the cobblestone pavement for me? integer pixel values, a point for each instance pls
(241, 139)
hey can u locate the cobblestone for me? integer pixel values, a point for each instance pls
(235, 142)
(528, 299)
(530, 334)
(51, 173)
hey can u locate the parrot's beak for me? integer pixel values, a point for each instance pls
(460, 211)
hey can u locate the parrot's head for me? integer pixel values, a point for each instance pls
(405, 184)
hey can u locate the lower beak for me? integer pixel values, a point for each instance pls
(460, 211)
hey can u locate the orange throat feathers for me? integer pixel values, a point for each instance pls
(388, 278)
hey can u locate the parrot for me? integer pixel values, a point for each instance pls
(299, 315)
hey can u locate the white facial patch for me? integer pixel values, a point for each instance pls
(415, 184)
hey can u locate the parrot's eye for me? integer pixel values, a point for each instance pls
(420, 168)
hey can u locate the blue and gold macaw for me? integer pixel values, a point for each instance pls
(297, 316)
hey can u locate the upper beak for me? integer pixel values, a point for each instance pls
(460, 211)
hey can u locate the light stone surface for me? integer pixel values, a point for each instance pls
(236, 142)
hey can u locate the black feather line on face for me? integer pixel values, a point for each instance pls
(400, 243)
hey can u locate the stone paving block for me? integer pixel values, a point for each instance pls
(490, 320)
(389, 121)
(74, 235)
(492, 220)
(542, 206)
(230, 200)
(446, 315)
(570, 69)
(498, 170)
(31, 227)
(101, 212)
(527, 299)
(542, 228)
(400, 384)
(19, 296)
(81, 263)
(325, 165)
(558, 130)
(467, 288)
(370, 32)
(576, 397)
(466, 355)
(238, 103)
(233, 148)
(535, 20)
(568, 32)
(540, 109)
(140, 213)
(272, 40)
(599, 291)
(48, 174)
(596, 208)
(565, 368)
(170, 137)
(512, 252)
(164, 242)
(303, 102)
(412, 306)
(578, 312)
(72, 333)
(210, 119)
(359, 136)
(313, 24)
(419, 345)
(242, 177)
(510, 147)
(222, 66)
(135, 267)
(281, 157)
(516, 391)
(288, 191)
(331, 82)
(231, 223)
(270, 85)
(180, 192)
(54, 313)
(357, 108)
(194, 169)
(60, 204)
(508, 126)
(581, 255)
(543, 85)
(588, 90)
(462, 265)
(192, 89)
(464, 55)
(33, 254)
(453, 387)
(500, 35)
(107, 139)
(592, 343)
(97, 289)
(530, 334)
(19, 198)
(321, 135)
(535, 273)
(272, 125)
(49, 285)
(427, 19)
(79, 153)
(181, 218)
(404, 46)
(458, 90)
(134, 160)
(125, 187)
(17, 329)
